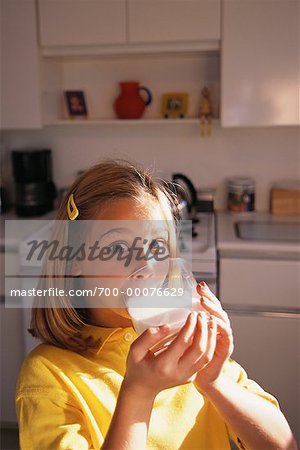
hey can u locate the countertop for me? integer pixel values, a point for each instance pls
(229, 244)
(19, 231)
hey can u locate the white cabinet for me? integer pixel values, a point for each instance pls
(82, 22)
(11, 357)
(260, 62)
(261, 297)
(260, 282)
(11, 341)
(20, 83)
(173, 21)
(77, 35)
(268, 349)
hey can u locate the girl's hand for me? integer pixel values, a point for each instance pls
(197, 354)
(221, 344)
(148, 373)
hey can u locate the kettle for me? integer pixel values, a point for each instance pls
(187, 196)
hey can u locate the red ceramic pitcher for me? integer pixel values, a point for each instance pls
(130, 104)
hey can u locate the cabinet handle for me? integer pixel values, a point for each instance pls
(288, 314)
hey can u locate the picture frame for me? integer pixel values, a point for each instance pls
(174, 105)
(76, 104)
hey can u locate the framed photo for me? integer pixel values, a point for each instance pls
(174, 105)
(76, 104)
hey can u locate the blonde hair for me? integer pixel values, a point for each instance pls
(108, 180)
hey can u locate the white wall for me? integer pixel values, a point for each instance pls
(267, 154)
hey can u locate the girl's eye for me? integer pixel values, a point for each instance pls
(118, 247)
(159, 246)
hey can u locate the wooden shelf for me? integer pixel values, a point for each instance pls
(100, 122)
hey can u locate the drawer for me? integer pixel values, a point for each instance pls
(253, 282)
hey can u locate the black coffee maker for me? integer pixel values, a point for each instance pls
(35, 190)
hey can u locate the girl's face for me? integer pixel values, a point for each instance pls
(127, 223)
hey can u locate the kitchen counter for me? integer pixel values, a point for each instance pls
(28, 226)
(229, 244)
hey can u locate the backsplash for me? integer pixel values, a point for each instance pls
(266, 154)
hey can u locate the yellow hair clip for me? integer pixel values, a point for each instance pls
(74, 212)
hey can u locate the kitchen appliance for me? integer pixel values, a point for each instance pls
(4, 200)
(186, 194)
(35, 190)
(205, 199)
(200, 209)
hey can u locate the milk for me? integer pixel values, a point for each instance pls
(175, 317)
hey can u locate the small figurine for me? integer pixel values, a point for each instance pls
(205, 113)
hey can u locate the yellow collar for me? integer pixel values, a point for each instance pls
(117, 335)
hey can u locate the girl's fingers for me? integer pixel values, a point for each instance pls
(226, 337)
(140, 347)
(181, 342)
(203, 289)
(212, 338)
(199, 344)
(195, 359)
(213, 309)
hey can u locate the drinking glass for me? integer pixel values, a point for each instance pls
(162, 293)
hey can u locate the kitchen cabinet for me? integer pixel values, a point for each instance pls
(12, 319)
(34, 78)
(20, 82)
(11, 357)
(82, 22)
(11, 341)
(267, 346)
(91, 25)
(176, 21)
(260, 282)
(260, 63)
(177, 49)
(261, 297)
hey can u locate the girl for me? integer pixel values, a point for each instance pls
(94, 384)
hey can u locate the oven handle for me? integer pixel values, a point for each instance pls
(207, 277)
(210, 279)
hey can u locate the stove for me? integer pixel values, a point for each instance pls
(201, 249)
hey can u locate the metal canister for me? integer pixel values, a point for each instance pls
(241, 194)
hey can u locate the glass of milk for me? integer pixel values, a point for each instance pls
(161, 293)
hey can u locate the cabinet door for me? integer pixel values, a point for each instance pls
(260, 62)
(260, 283)
(170, 21)
(20, 83)
(11, 358)
(82, 22)
(268, 349)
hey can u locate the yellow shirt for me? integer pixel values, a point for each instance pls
(65, 400)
